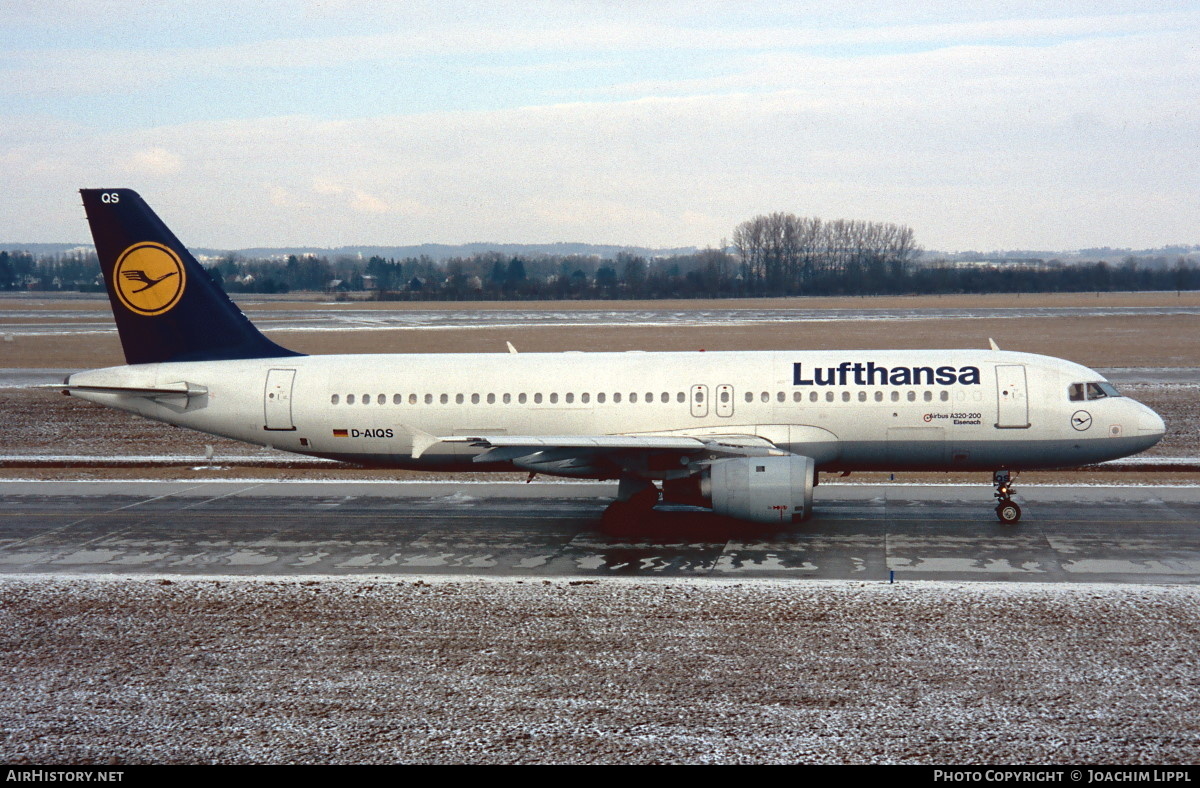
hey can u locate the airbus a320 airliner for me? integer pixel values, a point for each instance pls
(745, 434)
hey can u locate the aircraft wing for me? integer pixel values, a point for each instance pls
(581, 455)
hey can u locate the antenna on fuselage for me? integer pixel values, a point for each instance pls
(992, 342)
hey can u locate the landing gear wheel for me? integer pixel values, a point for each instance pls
(1008, 512)
(624, 518)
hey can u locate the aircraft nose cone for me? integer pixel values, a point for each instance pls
(1151, 425)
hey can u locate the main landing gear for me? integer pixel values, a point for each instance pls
(1006, 509)
(635, 500)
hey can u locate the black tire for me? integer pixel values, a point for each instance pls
(1009, 513)
(621, 518)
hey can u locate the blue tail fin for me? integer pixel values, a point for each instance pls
(166, 305)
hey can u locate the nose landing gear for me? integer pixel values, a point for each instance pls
(1006, 509)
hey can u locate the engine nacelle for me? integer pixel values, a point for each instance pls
(759, 489)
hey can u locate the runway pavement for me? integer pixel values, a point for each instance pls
(1104, 534)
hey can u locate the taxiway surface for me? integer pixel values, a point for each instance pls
(1118, 534)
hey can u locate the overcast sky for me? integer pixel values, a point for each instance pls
(980, 125)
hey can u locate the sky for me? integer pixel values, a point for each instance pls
(984, 125)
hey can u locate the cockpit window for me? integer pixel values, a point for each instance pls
(1078, 392)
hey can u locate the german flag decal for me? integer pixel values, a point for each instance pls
(341, 433)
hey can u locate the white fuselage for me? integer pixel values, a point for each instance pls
(849, 410)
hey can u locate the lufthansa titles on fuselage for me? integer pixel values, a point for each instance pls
(872, 374)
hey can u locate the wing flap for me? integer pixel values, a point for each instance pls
(535, 442)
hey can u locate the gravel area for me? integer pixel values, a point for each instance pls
(437, 670)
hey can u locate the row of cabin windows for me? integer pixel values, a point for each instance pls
(815, 396)
(602, 398)
(492, 399)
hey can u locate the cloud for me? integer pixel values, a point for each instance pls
(153, 162)
(1071, 131)
(574, 32)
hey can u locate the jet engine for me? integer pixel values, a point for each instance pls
(759, 489)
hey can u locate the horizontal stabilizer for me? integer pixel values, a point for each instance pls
(181, 389)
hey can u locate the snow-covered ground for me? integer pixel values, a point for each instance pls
(472, 670)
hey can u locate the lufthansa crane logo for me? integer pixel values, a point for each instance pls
(149, 278)
(1081, 420)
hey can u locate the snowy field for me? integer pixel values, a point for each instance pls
(465, 670)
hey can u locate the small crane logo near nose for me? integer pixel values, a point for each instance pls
(1081, 420)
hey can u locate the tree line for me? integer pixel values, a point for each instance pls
(788, 254)
(770, 255)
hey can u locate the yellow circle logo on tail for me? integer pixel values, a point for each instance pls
(149, 278)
